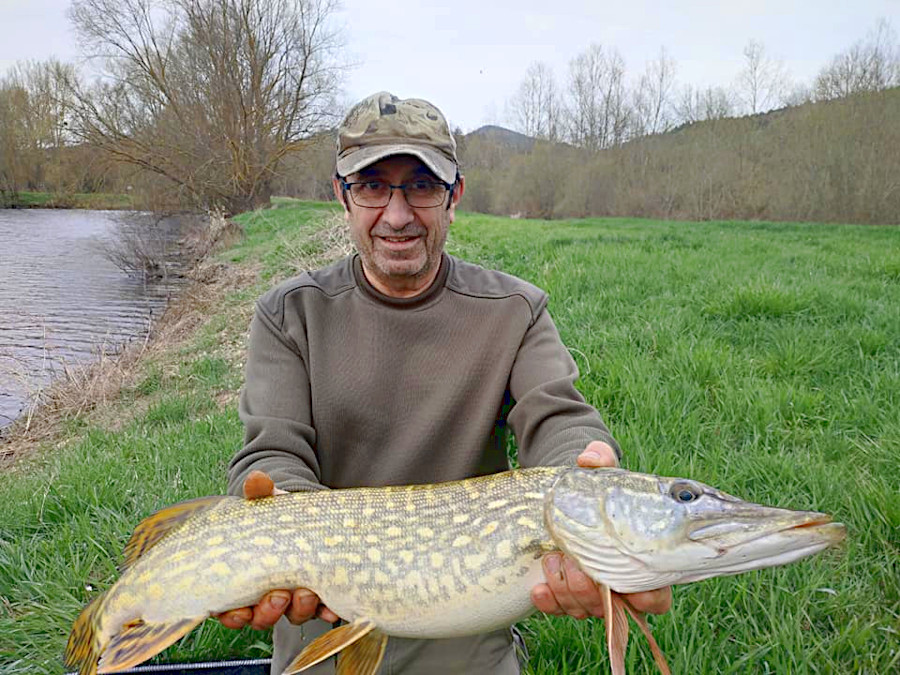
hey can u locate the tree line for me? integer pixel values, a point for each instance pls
(218, 104)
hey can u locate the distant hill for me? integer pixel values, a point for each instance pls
(512, 140)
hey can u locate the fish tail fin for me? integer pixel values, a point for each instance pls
(83, 648)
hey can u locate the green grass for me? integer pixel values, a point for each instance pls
(762, 358)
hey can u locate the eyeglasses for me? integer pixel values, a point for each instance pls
(376, 194)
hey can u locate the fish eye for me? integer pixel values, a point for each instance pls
(684, 492)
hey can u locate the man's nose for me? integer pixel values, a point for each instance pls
(398, 213)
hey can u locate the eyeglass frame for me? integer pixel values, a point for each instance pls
(450, 187)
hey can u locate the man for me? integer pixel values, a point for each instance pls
(402, 364)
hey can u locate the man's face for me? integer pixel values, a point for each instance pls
(400, 246)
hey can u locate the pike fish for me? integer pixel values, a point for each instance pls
(430, 561)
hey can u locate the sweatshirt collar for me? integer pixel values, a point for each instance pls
(423, 298)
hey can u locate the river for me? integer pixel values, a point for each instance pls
(61, 300)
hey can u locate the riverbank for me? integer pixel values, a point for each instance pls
(761, 358)
(99, 201)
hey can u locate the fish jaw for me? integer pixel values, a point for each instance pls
(637, 532)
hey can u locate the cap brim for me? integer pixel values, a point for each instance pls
(359, 159)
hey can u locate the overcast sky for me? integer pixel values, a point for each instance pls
(469, 56)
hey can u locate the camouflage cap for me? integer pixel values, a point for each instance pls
(383, 125)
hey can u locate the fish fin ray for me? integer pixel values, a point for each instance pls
(616, 629)
(329, 644)
(153, 528)
(83, 648)
(364, 656)
(140, 640)
(658, 656)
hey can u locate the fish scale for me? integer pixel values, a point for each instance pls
(426, 561)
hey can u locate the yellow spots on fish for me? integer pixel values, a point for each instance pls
(362, 577)
(262, 540)
(286, 518)
(393, 531)
(528, 523)
(335, 540)
(310, 510)
(490, 528)
(220, 568)
(302, 544)
(212, 541)
(349, 523)
(155, 591)
(340, 576)
(526, 541)
(270, 561)
(504, 549)
(410, 507)
(497, 503)
(406, 556)
(460, 518)
(447, 581)
(381, 577)
(462, 540)
(517, 509)
(368, 512)
(216, 553)
(534, 495)
(372, 539)
(425, 532)
(437, 560)
(351, 557)
(475, 561)
(373, 554)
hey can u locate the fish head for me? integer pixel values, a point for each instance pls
(635, 531)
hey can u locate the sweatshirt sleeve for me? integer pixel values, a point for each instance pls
(549, 417)
(275, 407)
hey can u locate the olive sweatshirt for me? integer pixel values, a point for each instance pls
(348, 387)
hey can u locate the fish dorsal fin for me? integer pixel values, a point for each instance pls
(616, 629)
(364, 656)
(639, 619)
(330, 644)
(153, 528)
(139, 640)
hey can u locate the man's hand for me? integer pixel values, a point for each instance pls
(298, 605)
(569, 590)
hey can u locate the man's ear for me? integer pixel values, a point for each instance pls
(340, 195)
(457, 195)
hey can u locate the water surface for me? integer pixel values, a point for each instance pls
(61, 300)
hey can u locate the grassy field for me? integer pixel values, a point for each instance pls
(67, 200)
(761, 358)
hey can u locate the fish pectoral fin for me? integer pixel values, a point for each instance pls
(140, 640)
(639, 619)
(616, 629)
(329, 644)
(364, 656)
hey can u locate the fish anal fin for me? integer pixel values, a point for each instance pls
(616, 629)
(329, 644)
(153, 528)
(639, 619)
(139, 640)
(364, 656)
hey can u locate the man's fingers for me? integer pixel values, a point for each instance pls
(597, 455)
(303, 607)
(652, 602)
(236, 618)
(270, 609)
(555, 574)
(257, 485)
(585, 592)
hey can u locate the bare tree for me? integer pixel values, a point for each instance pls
(536, 108)
(762, 83)
(209, 94)
(872, 64)
(698, 105)
(652, 99)
(598, 107)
